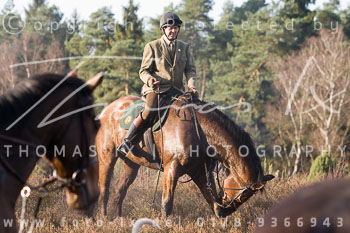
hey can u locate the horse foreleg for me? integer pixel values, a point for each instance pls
(106, 166)
(170, 178)
(209, 193)
(126, 178)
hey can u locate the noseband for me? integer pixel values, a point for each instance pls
(242, 190)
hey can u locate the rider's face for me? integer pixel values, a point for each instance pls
(171, 32)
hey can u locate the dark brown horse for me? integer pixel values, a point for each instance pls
(37, 119)
(319, 208)
(187, 150)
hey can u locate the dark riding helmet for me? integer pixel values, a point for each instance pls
(170, 19)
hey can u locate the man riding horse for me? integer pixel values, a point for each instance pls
(164, 62)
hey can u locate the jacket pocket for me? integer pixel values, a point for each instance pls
(183, 59)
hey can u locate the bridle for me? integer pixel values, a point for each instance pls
(84, 164)
(228, 203)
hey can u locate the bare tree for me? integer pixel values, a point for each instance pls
(25, 56)
(330, 79)
(37, 56)
(314, 88)
(8, 53)
(290, 71)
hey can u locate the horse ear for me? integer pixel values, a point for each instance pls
(93, 82)
(268, 178)
(73, 74)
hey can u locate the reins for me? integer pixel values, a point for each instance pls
(162, 152)
(41, 188)
(161, 128)
(208, 170)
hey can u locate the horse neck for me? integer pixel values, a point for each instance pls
(21, 139)
(217, 136)
(18, 162)
(18, 152)
(227, 146)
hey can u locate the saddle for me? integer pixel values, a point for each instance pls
(166, 99)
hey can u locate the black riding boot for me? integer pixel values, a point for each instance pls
(136, 129)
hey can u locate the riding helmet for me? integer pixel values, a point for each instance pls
(170, 19)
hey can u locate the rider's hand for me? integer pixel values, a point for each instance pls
(193, 90)
(151, 81)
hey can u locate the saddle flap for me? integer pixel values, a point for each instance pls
(149, 143)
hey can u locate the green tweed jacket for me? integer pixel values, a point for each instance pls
(156, 63)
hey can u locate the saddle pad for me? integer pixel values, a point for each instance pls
(131, 113)
(134, 109)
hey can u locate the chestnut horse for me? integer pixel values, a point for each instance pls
(319, 208)
(65, 138)
(202, 137)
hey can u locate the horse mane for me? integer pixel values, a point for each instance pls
(239, 136)
(26, 93)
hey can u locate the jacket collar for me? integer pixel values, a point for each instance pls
(167, 41)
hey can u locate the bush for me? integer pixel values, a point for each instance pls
(321, 166)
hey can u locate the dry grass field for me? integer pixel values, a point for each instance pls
(191, 213)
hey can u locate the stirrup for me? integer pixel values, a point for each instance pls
(124, 147)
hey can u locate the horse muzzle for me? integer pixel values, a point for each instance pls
(81, 198)
(83, 190)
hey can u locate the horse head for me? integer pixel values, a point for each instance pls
(238, 186)
(77, 167)
(243, 175)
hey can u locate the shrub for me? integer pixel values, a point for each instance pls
(321, 166)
